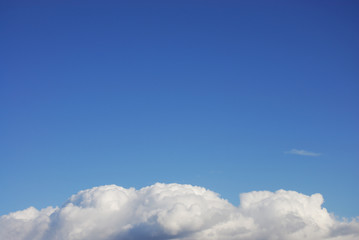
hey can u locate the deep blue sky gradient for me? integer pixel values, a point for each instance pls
(210, 93)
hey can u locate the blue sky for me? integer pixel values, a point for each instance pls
(221, 94)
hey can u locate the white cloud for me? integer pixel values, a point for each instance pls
(181, 212)
(303, 153)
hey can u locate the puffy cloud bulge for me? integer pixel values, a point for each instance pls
(181, 212)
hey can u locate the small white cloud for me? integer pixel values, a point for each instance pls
(182, 212)
(303, 153)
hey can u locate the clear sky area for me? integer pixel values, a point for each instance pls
(233, 96)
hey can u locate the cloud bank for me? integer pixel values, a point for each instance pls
(303, 153)
(181, 212)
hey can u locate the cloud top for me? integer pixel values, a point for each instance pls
(303, 153)
(182, 212)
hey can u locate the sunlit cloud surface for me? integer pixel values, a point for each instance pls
(182, 212)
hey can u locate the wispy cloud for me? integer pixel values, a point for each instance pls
(303, 153)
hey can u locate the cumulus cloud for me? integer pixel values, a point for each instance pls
(303, 153)
(181, 212)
